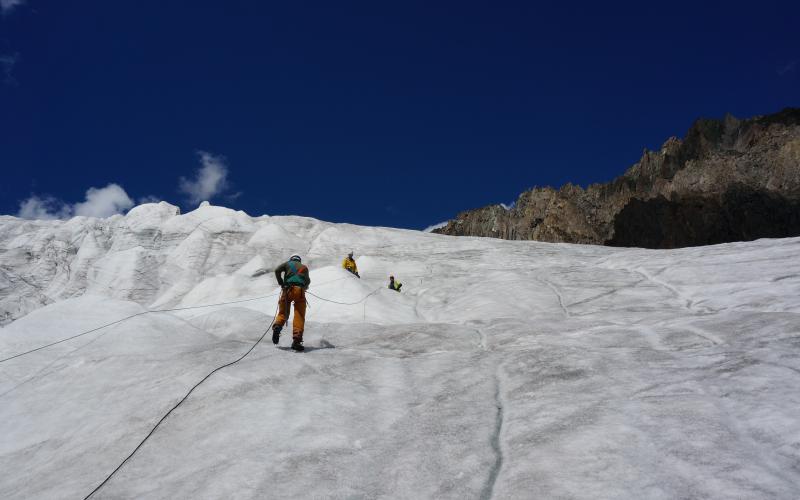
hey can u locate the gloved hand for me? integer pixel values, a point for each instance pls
(284, 287)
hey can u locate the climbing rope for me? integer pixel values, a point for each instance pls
(155, 311)
(195, 386)
(345, 303)
(364, 300)
(184, 398)
(129, 317)
(212, 372)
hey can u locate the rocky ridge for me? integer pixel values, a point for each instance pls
(726, 180)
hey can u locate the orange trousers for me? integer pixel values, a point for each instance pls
(298, 296)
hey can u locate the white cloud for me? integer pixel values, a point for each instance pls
(7, 6)
(435, 226)
(100, 202)
(104, 202)
(7, 63)
(211, 179)
(148, 199)
(46, 207)
(788, 68)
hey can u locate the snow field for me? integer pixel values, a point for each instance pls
(503, 369)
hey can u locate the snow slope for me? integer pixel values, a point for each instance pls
(503, 370)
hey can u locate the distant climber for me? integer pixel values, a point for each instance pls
(294, 282)
(394, 285)
(350, 264)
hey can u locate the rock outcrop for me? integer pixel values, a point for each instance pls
(727, 180)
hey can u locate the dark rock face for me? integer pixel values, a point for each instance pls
(727, 180)
(741, 214)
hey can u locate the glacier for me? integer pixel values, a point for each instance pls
(504, 369)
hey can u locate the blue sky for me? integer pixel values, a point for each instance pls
(398, 114)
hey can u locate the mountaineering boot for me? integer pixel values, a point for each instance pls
(297, 345)
(276, 334)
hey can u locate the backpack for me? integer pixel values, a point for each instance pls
(297, 274)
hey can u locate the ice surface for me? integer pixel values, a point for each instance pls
(503, 369)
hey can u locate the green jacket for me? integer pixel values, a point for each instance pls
(294, 274)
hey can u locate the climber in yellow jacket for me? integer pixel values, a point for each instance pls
(350, 264)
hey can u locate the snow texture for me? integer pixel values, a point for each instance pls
(503, 370)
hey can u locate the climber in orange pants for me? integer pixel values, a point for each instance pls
(293, 278)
